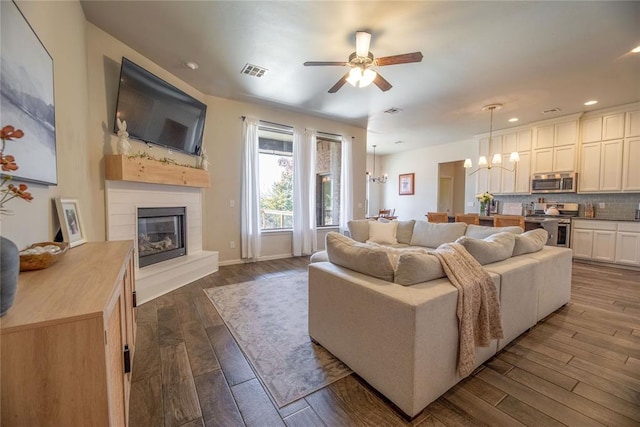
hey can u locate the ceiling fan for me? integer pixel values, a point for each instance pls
(361, 61)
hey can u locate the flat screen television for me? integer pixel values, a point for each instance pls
(157, 112)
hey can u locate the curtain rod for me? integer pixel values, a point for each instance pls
(325, 133)
(270, 123)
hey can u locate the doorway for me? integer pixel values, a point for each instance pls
(451, 187)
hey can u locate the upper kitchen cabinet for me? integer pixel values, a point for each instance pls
(633, 124)
(554, 146)
(610, 150)
(603, 128)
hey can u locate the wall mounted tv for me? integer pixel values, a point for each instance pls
(157, 112)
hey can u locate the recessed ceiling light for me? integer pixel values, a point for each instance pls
(191, 65)
(592, 102)
(636, 50)
(513, 119)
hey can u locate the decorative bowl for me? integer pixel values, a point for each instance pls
(42, 260)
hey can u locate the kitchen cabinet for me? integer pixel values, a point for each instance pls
(631, 165)
(632, 128)
(594, 239)
(628, 244)
(602, 166)
(603, 128)
(606, 241)
(554, 147)
(518, 181)
(68, 341)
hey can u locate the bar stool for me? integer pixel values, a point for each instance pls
(437, 217)
(507, 220)
(469, 218)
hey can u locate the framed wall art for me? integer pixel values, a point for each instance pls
(26, 97)
(406, 184)
(70, 221)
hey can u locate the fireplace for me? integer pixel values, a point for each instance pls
(161, 234)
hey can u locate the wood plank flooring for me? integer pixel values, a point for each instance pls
(580, 367)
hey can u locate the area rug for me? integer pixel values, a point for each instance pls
(268, 319)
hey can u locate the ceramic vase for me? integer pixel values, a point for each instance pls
(9, 270)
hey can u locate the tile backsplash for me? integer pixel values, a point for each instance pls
(617, 206)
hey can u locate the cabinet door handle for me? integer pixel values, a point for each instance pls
(135, 299)
(127, 359)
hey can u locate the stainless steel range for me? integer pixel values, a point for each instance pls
(546, 213)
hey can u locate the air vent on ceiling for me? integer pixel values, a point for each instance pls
(393, 110)
(253, 70)
(552, 110)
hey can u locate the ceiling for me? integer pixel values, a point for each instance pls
(530, 56)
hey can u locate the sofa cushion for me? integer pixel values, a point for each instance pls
(417, 267)
(531, 241)
(383, 233)
(405, 231)
(359, 229)
(433, 235)
(482, 231)
(494, 248)
(360, 257)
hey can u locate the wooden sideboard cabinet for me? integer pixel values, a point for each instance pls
(67, 342)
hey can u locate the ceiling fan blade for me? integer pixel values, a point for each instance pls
(336, 87)
(363, 40)
(399, 59)
(382, 83)
(316, 63)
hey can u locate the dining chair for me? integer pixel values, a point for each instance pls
(437, 217)
(507, 220)
(469, 218)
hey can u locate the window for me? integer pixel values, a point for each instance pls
(328, 170)
(276, 177)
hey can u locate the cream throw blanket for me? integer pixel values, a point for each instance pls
(478, 308)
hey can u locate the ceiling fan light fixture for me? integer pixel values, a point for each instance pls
(354, 76)
(368, 76)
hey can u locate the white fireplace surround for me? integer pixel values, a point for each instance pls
(123, 198)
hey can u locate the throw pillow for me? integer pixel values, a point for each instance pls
(494, 248)
(359, 229)
(383, 233)
(417, 267)
(531, 241)
(482, 231)
(405, 231)
(432, 235)
(359, 257)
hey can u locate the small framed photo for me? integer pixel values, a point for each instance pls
(406, 184)
(70, 221)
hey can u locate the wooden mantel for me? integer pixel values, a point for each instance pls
(119, 167)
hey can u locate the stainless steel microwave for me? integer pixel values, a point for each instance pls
(554, 183)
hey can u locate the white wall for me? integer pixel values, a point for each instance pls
(424, 163)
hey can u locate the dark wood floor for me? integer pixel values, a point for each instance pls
(579, 367)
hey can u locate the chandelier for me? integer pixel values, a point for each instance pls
(372, 177)
(496, 160)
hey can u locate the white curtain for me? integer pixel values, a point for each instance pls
(346, 182)
(305, 240)
(250, 193)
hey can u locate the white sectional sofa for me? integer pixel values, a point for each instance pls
(403, 338)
